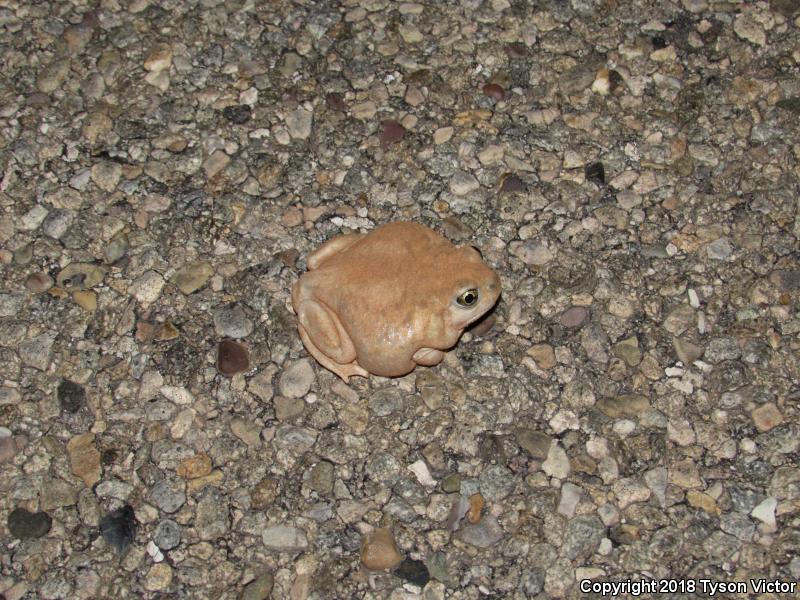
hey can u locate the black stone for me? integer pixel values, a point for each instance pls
(71, 396)
(238, 114)
(413, 571)
(119, 528)
(26, 525)
(596, 173)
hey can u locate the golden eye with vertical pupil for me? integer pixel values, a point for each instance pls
(468, 299)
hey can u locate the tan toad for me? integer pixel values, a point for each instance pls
(389, 300)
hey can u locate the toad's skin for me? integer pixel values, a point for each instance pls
(392, 299)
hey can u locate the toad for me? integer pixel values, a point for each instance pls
(391, 299)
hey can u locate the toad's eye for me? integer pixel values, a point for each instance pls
(468, 298)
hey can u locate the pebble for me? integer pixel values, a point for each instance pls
(766, 417)
(84, 458)
(232, 358)
(483, 534)
(296, 379)
(391, 133)
(32, 219)
(215, 163)
(628, 350)
(285, 539)
(38, 283)
(191, 277)
(686, 351)
(80, 276)
(624, 405)
(57, 223)
(544, 356)
(494, 91)
(193, 467)
(748, 29)
(11, 304)
(106, 175)
(379, 550)
(211, 520)
(442, 135)
(53, 76)
(86, 299)
(232, 321)
(765, 511)
(574, 317)
(259, 589)
(168, 495)
(463, 183)
(299, 122)
(476, 504)
(147, 287)
(247, 431)
(720, 249)
(37, 351)
(8, 447)
(158, 578)
(557, 463)
(167, 535)
(26, 525)
(159, 58)
(239, 114)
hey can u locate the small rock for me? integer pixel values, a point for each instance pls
(11, 304)
(167, 535)
(86, 299)
(544, 356)
(557, 463)
(168, 495)
(53, 76)
(687, 352)
(247, 431)
(574, 317)
(84, 458)
(391, 133)
(442, 135)
(379, 550)
(212, 519)
(495, 91)
(80, 276)
(484, 534)
(476, 504)
(532, 252)
(119, 528)
(702, 501)
(36, 352)
(287, 409)
(296, 379)
(463, 183)
(680, 319)
(720, 249)
(158, 79)
(193, 467)
(285, 539)
(147, 287)
(159, 58)
(8, 448)
(765, 511)
(595, 172)
(536, 443)
(158, 578)
(38, 282)
(193, 276)
(624, 405)
(232, 321)
(299, 122)
(766, 416)
(106, 175)
(747, 28)
(510, 184)
(26, 525)
(258, 589)
(57, 223)
(216, 163)
(232, 358)
(628, 351)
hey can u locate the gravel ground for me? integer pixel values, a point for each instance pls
(630, 169)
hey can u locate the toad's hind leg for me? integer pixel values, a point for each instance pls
(330, 345)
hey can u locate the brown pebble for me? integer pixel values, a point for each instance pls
(195, 466)
(392, 133)
(511, 183)
(288, 257)
(494, 91)
(379, 550)
(232, 358)
(8, 449)
(336, 102)
(574, 317)
(39, 282)
(476, 504)
(167, 332)
(766, 416)
(145, 331)
(544, 356)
